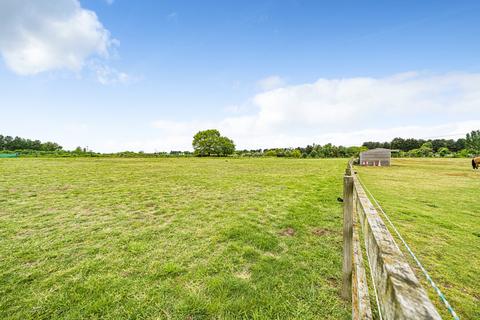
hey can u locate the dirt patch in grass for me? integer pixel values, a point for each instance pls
(333, 282)
(319, 232)
(245, 275)
(288, 232)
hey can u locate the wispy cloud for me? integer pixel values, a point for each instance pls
(271, 82)
(107, 75)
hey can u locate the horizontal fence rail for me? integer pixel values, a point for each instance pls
(399, 294)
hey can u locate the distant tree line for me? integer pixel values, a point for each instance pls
(411, 147)
(311, 151)
(211, 143)
(8, 143)
(411, 143)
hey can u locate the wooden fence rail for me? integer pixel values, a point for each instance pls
(399, 293)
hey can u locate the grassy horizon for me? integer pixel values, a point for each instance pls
(171, 239)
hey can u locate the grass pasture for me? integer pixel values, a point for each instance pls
(174, 239)
(435, 204)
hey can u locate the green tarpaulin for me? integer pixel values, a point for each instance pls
(8, 155)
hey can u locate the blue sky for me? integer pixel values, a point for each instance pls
(146, 75)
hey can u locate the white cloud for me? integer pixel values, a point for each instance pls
(343, 103)
(38, 36)
(107, 75)
(271, 82)
(347, 111)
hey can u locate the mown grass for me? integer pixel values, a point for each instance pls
(435, 204)
(171, 239)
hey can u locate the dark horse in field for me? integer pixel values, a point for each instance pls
(475, 162)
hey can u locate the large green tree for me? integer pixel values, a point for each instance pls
(210, 142)
(473, 141)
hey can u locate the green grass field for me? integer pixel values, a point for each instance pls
(176, 239)
(435, 204)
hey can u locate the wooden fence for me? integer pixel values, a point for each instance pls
(399, 293)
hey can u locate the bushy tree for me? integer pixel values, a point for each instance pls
(460, 144)
(210, 142)
(398, 143)
(226, 146)
(313, 154)
(296, 153)
(424, 151)
(473, 141)
(464, 153)
(270, 153)
(443, 152)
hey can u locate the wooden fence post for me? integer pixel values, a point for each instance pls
(347, 236)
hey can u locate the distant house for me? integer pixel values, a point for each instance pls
(376, 157)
